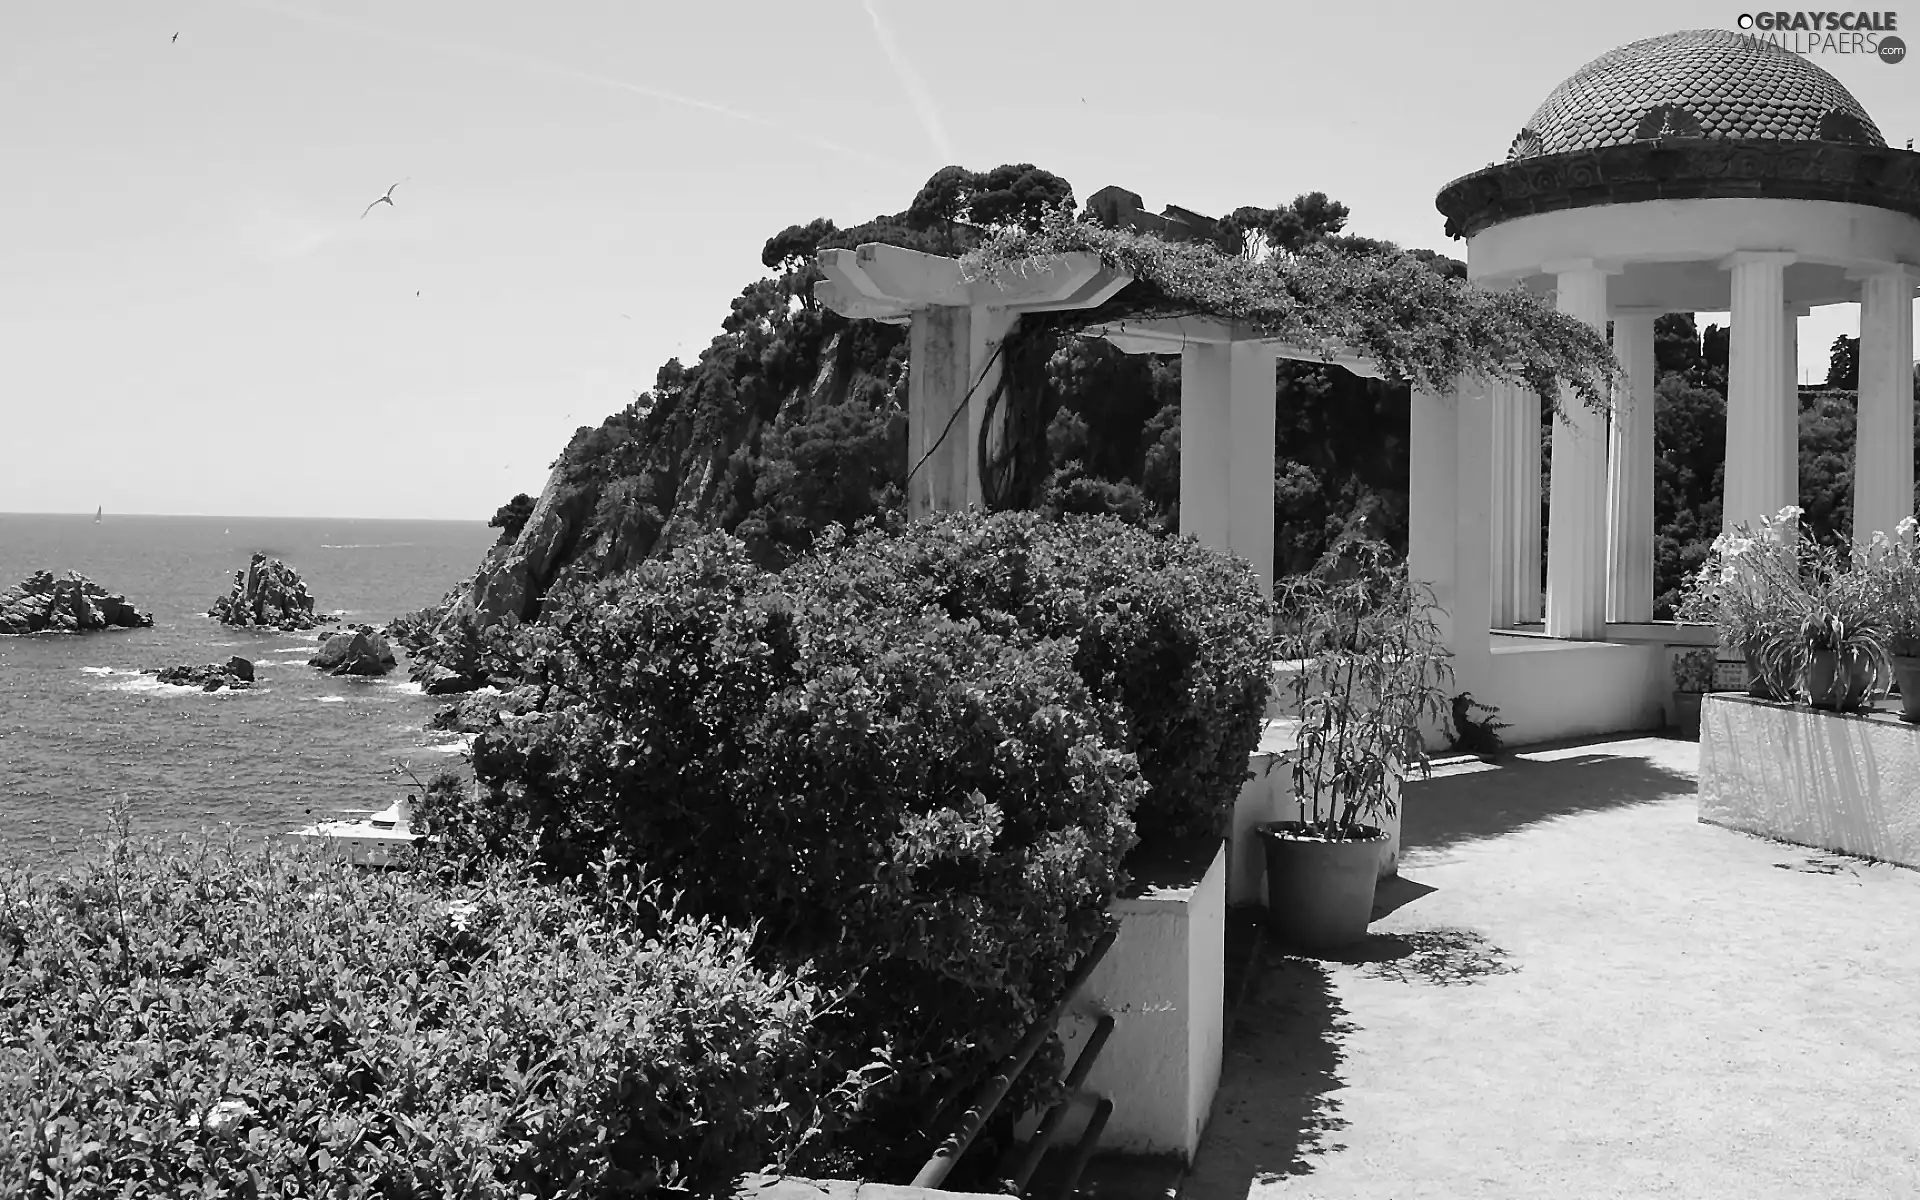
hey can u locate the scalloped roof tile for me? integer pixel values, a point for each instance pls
(1733, 84)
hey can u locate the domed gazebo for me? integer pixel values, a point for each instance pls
(1699, 171)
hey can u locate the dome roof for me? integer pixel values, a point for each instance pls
(1711, 83)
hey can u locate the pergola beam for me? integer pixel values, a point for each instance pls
(1169, 335)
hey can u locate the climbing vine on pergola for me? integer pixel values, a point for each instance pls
(1415, 324)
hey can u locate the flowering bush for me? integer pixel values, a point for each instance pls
(1786, 600)
(1892, 567)
(206, 1021)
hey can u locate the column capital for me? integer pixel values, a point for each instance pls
(1740, 258)
(1563, 266)
(1896, 270)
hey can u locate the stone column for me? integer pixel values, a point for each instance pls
(1630, 472)
(1790, 402)
(1449, 482)
(1883, 450)
(1758, 449)
(1515, 500)
(1577, 509)
(939, 342)
(1226, 450)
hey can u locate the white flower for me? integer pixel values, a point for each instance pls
(225, 1117)
(461, 911)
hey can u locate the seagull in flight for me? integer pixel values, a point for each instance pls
(176, 37)
(386, 200)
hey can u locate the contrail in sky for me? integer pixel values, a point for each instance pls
(915, 86)
(481, 54)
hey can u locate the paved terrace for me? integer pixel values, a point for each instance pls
(1577, 990)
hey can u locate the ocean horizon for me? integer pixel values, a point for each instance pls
(82, 727)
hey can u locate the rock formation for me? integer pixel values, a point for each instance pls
(76, 604)
(356, 650)
(236, 673)
(268, 594)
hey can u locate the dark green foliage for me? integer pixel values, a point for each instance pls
(510, 518)
(1843, 364)
(926, 809)
(194, 1021)
(1172, 638)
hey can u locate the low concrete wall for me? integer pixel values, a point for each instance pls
(1164, 984)
(1268, 796)
(1547, 689)
(788, 1187)
(1835, 781)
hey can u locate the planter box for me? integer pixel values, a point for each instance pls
(1835, 781)
(1164, 984)
(1268, 796)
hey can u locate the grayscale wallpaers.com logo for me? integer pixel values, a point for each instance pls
(1828, 32)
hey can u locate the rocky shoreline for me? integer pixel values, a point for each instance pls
(44, 603)
(235, 674)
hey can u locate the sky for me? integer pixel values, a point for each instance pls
(196, 318)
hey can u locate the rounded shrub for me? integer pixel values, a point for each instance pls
(216, 1022)
(924, 809)
(1172, 640)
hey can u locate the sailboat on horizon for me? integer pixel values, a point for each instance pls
(97, 512)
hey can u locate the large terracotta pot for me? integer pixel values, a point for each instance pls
(1906, 675)
(1319, 892)
(1840, 679)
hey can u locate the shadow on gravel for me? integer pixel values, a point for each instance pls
(1435, 956)
(1276, 1107)
(1519, 792)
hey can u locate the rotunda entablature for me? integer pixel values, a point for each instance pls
(1673, 253)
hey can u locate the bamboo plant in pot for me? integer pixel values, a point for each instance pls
(1374, 676)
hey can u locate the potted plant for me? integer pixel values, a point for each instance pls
(1834, 656)
(1692, 677)
(1750, 588)
(1894, 566)
(1372, 680)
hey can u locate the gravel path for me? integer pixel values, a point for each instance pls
(1585, 993)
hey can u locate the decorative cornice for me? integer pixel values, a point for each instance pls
(1683, 169)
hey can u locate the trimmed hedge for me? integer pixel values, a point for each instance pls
(1172, 640)
(213, 1022)
(924, 809)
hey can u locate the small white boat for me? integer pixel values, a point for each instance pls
(370, 842)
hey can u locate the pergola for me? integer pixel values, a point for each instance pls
(1227, 378)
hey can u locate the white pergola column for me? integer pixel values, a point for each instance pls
(1450, 493)
(1630, 472)
(1760, 454)
(1577, 505)
(1883, 450)
(1790, 402)
(1226, 449)
(1515, 504)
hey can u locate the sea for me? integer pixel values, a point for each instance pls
(81, 727)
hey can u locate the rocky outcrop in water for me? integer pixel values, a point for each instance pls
(43, 603)
(268, 594)
(236, 673)
(357, 650)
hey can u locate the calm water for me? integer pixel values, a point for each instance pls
(80, 727)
